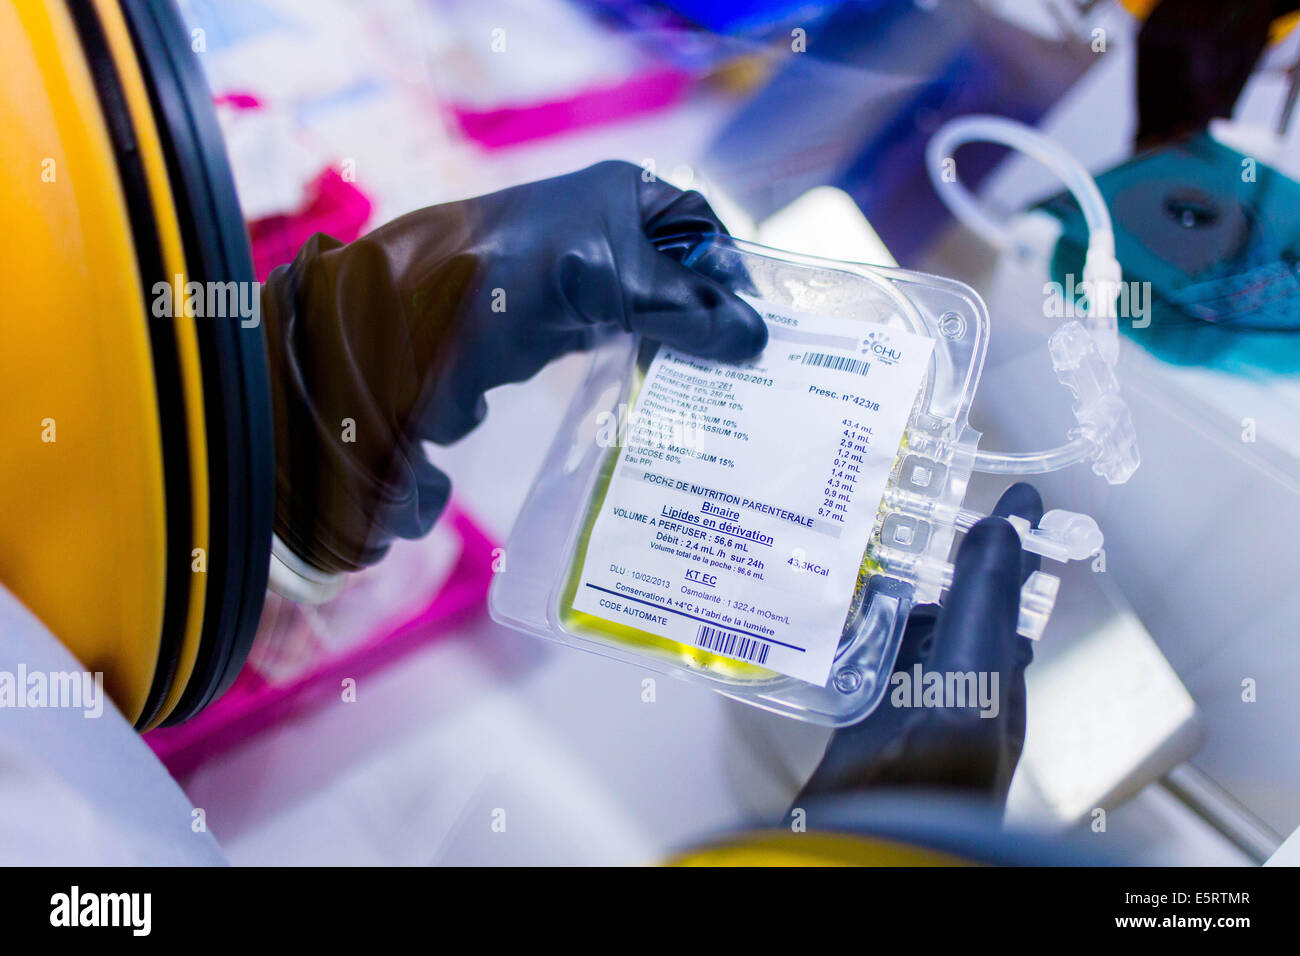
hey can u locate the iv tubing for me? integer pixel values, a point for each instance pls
(1034, 462)
(1100, 264)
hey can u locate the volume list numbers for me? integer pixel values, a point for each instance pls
(846, 468)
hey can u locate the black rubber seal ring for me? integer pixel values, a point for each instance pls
(178, 505)
(235, 384)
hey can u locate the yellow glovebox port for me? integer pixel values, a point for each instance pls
(82, 532)
(169, 236)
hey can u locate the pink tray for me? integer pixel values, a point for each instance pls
(509, 125)
(334, 206)
(254, 704)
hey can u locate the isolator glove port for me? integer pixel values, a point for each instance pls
(945, 747)
(392, 340)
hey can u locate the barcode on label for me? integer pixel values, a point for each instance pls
(838, 363)
(733, 645)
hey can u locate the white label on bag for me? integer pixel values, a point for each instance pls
(744, 495)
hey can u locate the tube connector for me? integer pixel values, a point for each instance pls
(1103, 416)
(1102, 277)
(1061, 535)
(1084, 357)
(1037, 601)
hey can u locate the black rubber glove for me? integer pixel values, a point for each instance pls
(949, 748)
(403, 331)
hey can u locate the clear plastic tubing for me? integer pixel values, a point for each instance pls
(1034, 462)
(1100, 264)
(1024, 139)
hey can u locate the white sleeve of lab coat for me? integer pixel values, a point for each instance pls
(77, 789)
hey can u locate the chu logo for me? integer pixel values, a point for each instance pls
(876, 343)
